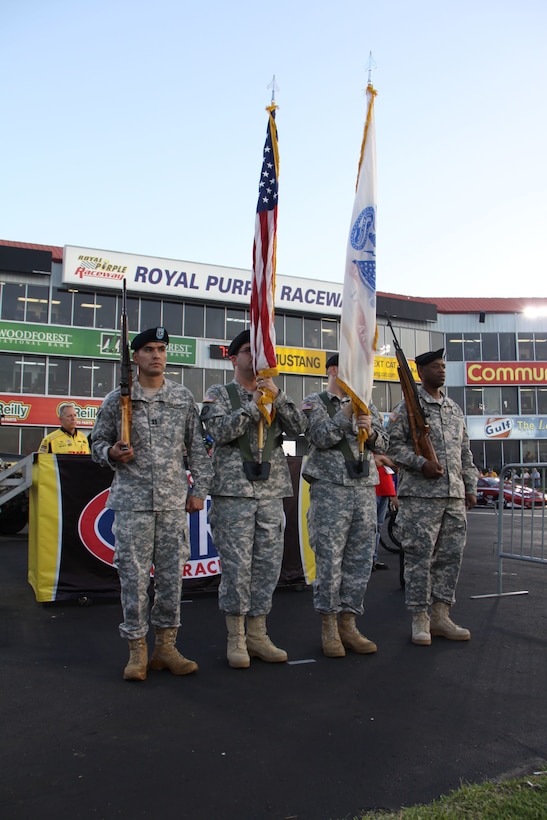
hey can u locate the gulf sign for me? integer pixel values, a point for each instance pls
(486, 373)
(95, 531)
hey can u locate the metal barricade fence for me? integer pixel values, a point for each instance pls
(521, 516)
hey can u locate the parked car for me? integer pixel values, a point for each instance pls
(514, 495)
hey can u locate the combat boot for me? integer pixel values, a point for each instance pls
(166, 656)
(442, 626)
(138, 660)
(330, 637)
(420, 629)
(237, 655)
(351, 637)
(259, 644)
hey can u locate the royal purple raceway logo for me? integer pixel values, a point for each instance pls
(95, 531)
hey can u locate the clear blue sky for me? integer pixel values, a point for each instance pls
(139, 126)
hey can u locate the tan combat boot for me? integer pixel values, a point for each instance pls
(138, 660)
(259, 644)
(420, 629)
(330, 638)
(351, 637)
(238, 657)
(166, 656)
(442, 626)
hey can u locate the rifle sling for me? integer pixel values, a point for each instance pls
(356, 469)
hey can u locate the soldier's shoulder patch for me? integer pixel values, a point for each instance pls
(393, 416)
(306, 405)
(208, 398)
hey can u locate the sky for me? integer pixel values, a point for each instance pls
(139, 127)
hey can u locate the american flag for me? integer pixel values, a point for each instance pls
(358, 321)
(264, 259)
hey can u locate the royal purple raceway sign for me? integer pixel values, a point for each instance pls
(95, 531)
(85, 267)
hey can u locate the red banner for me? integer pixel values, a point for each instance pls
(43, 410)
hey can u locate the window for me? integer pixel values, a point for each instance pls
(133, 314)
(456, 394)
(13, 302)
(492, 450)
(194, 320)
(526, 347)
(312, 333)
(214, 322)
(510, 401)
(407, 341)
(61, 307)
(329, 334)
(31, 438)
(473, 401)
(454, 347)
(57, 376)
(9, 439)
(33, 372)
(106, 312)
(103, 378)
(380, 396)
(173, 372)
(294, 387)
(172, 318)
(150, 313)
(235, 323)
(471, 347)
(437, 340)
(490, 351)
(84, 309)
(279, 324)
(527, 399)
(491, 400)
(541, 347)
(313, 384)
(542, 400)
(293, 331)
(10, 372)
(80, 378)
(423, 342)
(394, 395)
(193, 380)
(508, 349)
(37, 303)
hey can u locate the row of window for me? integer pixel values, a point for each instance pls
(33, 303)
(507, 401)
(94, 378)
(496, 347)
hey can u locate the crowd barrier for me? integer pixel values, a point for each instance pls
(71, 545)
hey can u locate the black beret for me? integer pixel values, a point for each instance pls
(427, 358)
(242, 338)
(332, 360)
(154, 334)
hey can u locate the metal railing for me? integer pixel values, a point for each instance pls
(15, 479)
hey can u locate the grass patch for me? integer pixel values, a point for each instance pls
(523, 797)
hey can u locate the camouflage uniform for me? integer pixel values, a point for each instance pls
(432, 517)
(247, 519)
(149, 496)
(342, 513)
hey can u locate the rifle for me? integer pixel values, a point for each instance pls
(126, 375)
(416, 415)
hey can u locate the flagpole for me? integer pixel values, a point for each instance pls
(263, 280)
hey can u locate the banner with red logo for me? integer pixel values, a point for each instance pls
(71, 545)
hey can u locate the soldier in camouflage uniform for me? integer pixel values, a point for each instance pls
(342, 513)
(247, 519)
(433, 499)
(149, 496)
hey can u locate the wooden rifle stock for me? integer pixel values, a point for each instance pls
(416, 416)
(126, 407)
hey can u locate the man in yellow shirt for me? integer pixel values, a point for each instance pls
(67, 440)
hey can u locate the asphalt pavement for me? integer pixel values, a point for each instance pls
(313, 739)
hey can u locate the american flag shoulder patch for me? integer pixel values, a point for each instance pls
(209, 398)
(306, 405)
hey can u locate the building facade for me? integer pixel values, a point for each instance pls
(59, 339)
